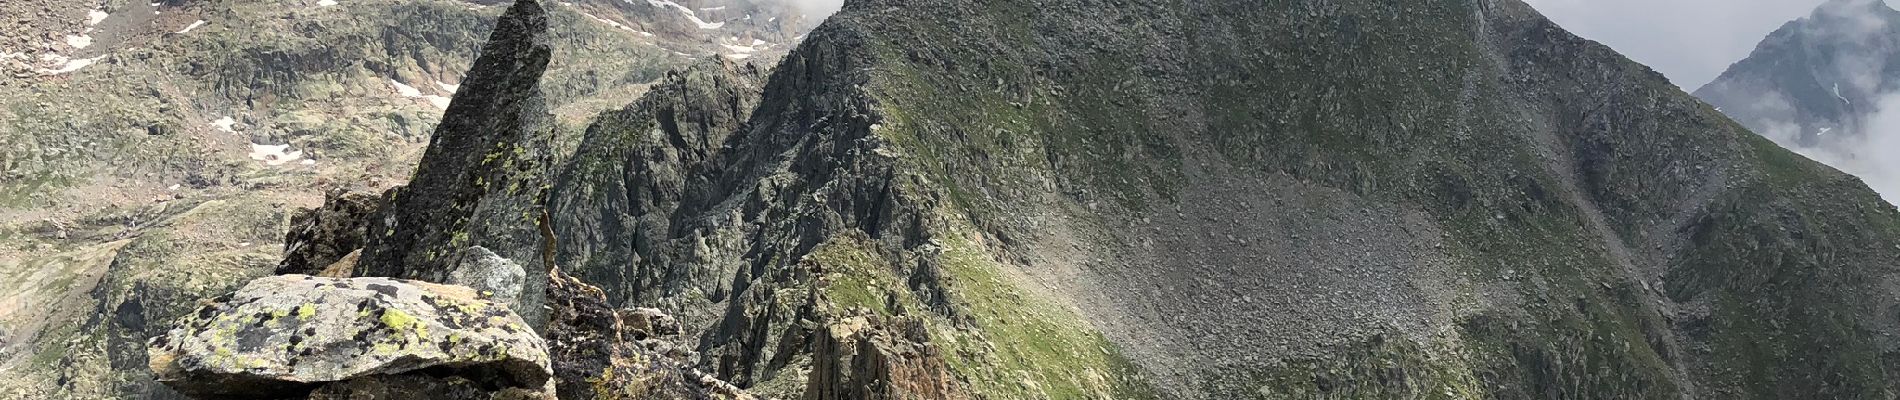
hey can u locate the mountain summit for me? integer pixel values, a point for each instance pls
(1820, 75)
(1825, 86)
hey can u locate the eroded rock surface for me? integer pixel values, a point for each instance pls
(285, 335)
(604, 356)
(487, 272)
(880, 358)
(321, 237)
(482, 180)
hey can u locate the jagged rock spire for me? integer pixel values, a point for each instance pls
(481, 182)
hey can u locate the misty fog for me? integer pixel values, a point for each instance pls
(818, 8)
(1691, 41)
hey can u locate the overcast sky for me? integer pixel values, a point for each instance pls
(1691, 41)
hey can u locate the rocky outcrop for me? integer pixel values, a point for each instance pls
(483, 178)
(491, 274)
(420, 387)
(284, 336)
(609, 355)
(880, 358)
(618, 195)
(321, 237)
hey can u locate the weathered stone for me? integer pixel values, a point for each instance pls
(342, 268)
(485, 271)
(320, 237)
(875, 358)
(482, 180)
(653, 321)
(619, 195)
(603, 357)
(283, 335)
(413, 386)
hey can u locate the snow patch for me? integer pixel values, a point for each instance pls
(326, 3)
(688, 12)
(193, 25)
(96, 16)
(225, 124)
(739, 49)
(616, 25)
(79, 41)
(274, 154)
(66, 65)
(405, 90)
(447, 87)
(412, 92)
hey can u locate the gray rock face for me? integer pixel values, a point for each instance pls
(483, 178)
(487, 272)
(619, 196)
(285, 335)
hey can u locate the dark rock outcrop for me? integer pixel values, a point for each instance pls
(618, 195)
(394, 387)
(323, 236)
(483, 179)
(283, 336)
(603, 356)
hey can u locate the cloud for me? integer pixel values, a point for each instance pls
(1691, 41)
(818, 7)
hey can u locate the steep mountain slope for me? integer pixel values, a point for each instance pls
(1228, 199)
(1821, 85)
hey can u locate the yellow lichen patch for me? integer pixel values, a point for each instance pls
(306, 311)
(398, 320)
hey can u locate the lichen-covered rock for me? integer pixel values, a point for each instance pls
(482, 180)
(485, 271)
(285, 335)
(321, 237)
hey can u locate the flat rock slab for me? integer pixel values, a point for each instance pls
(284, 335)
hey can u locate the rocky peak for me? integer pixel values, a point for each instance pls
(482, 180)
(1815, 77)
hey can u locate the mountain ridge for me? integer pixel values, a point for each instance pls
(955, 199)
